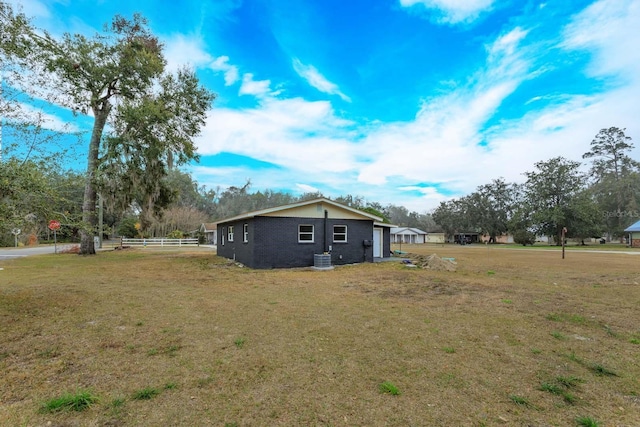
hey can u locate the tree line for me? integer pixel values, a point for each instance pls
(556, 195)
(35, 191)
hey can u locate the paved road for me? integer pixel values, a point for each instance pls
(9, 253)
(558, 249)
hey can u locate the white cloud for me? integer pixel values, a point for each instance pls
(258, 88)
(230, 71)
(507, 43)
(31, 8)
(453, 11)
(608, 29)
(317, 80)
(306, 188)
(181, 50)
(45, 120)
(296, 134)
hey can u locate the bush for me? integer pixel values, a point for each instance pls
(524, 237)
(176, 234)
(127, 227)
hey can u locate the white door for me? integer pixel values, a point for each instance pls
(377, 242)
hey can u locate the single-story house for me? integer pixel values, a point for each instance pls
(502, 238)
(407, 235)
(435, 237)
(466, 237)
(292, 235)
(210, 232)
(634, 234)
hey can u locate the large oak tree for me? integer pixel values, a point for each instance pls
(118, 70)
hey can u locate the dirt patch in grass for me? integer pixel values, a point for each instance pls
(220, 344)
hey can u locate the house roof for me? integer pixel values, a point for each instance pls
(208, 226)
(407, 230)
(633, 227)
(377, 220)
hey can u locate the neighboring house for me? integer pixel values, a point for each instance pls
(210, 232)
(466, 237)
(634, 234)
(407, 235)
(290, 235)
(435, 237)
(503, 238)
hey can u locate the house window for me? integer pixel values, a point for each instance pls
(245, 233)
(340, 234)
(305, 233)
(230, 234)
(222, 236)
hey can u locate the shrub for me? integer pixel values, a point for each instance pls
(524, 237)
(176, 234)
(127, 227)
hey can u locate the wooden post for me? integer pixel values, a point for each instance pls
(564, 230)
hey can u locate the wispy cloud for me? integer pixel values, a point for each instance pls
(317, 80)
(230, 71)
(307, 188)
(257, 88)
(452, 11)
(608, 29)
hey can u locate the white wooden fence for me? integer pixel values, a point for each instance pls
(159, 242)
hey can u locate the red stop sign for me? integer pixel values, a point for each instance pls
(54, 224)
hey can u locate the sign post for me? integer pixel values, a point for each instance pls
(54, 225)
(15, 233)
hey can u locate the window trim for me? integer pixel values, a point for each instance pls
(312, 233)
(245, 232)
(340, 234)
(230, 233)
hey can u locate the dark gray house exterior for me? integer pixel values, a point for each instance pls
(289, 236)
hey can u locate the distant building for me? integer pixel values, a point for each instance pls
(208, 229)
(503, 238)
(414, 235)
(408, 235)
(634, 234)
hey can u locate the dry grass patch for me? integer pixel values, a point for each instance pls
(301, 347)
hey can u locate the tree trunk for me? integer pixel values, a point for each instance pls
(89, 217)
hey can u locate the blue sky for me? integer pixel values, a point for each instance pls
(408, 102)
